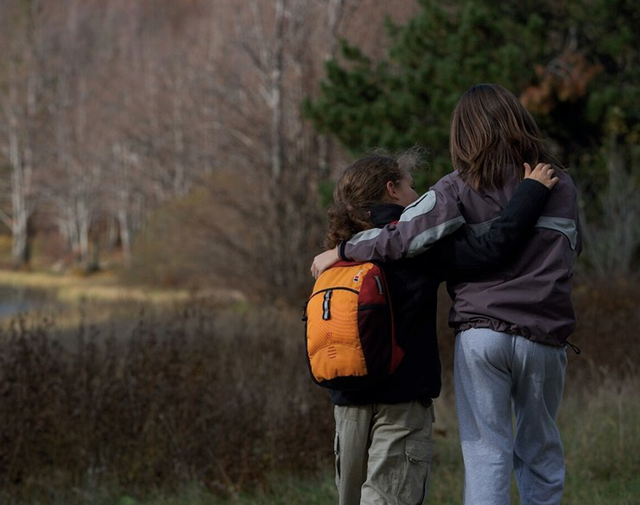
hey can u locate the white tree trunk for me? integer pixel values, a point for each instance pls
(20, 163)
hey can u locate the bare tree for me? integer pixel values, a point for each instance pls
(256, 78)
(141, 104)
(19, 106)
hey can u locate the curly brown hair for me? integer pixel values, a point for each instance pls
(361, 185)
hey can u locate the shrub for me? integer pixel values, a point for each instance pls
(216, 398)
(195, 397)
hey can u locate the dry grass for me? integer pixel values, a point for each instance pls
(190, 394)
(191, 397)
(100, 297)
(102, 287)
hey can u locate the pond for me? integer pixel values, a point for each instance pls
(19, 300)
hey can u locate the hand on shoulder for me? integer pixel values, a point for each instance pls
(543, 173)
(323, 261)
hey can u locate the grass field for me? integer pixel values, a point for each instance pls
(101, 286)
(602, 446)
(601, 434)
(174, 400)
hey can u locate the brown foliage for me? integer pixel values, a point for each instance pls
(221, 398)
(606, 332)
(565, 79)
(196, 397)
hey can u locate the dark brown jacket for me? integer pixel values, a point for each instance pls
(413, 286)
(530, 295)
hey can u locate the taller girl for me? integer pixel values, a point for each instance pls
(511, 326)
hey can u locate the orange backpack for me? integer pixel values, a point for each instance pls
(350, 335)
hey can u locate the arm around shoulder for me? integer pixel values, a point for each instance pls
(468, 254)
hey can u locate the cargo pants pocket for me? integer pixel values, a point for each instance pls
(418, 456)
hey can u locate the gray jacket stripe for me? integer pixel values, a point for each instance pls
(424, 240)
(364, 236)
(423, 205)
(420, 242)
(431, 217)
(563, 225)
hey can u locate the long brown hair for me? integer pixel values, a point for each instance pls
(362, 184)
(492, 133)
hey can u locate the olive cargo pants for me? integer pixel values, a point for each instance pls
(383, 453)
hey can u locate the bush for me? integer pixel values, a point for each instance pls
(197, 397)
(218, 399)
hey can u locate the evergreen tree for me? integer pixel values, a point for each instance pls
(408, 97)
(573, 63)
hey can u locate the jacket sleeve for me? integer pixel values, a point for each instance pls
(434, 215)
(464, 253)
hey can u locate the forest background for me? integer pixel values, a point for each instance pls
(192, 145)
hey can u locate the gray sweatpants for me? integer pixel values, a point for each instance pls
(493, 373)
(383, 453)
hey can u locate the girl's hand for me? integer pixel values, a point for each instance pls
(543, 173)
(323, 261)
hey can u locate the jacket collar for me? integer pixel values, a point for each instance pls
(385, 213)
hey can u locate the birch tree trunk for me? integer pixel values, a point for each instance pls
(18, 111)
